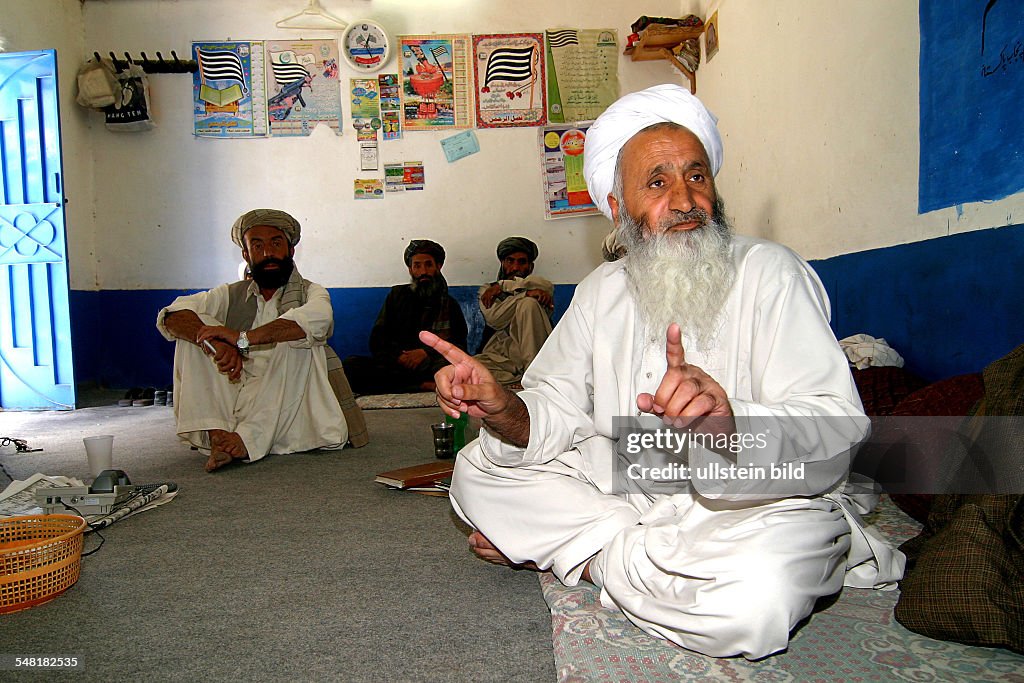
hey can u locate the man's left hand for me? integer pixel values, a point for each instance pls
(542, 297)
(686, 391)
(411, 360)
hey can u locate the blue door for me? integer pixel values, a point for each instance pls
(35, 328)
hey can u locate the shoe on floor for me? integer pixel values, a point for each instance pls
(145, 398)
(130, 396)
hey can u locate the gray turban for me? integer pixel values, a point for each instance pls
(631, 114)
(511, 245)
(272, 217)
(424, 247)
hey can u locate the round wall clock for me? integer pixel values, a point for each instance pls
(366, 46)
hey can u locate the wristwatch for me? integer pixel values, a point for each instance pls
(242, 344)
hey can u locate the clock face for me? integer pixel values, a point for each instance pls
(366, 46)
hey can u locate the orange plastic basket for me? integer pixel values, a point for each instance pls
(40, 558)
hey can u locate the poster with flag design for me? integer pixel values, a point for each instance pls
(509, 73)
(228, 95)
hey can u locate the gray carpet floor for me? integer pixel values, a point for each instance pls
(294, 568)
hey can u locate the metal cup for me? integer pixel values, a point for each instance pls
(444, 440)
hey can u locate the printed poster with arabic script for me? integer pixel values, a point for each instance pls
(435, 82)
(509, 71)
(302, 86)
(228, 96)
(583, 77)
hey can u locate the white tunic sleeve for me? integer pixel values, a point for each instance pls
(315, 317)
(211, 307)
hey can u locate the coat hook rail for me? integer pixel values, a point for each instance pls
(174, 65)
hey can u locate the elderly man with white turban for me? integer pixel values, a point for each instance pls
(727, 544)
(252, 369)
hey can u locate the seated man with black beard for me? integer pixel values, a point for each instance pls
(401, 363)
(693, 327)
(251, 362)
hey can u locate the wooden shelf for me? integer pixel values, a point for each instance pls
(656, 42)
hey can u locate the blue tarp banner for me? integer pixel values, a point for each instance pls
(972, 101)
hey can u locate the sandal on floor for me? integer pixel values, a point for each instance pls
(130, 396)
(145, 397)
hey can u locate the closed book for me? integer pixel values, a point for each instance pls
(417, 475)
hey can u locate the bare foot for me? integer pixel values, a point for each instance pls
(486, 550)
(224, 448)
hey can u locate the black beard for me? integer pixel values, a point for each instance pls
(272, 279)
(430, 286)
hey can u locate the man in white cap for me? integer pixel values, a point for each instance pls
(252, 370)
(726, 545)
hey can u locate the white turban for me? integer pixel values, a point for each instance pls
(631, 114)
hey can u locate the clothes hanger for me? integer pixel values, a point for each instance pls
(313, 17)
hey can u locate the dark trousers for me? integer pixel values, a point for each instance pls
(369, 375)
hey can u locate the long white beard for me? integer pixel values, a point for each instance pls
(681, 277)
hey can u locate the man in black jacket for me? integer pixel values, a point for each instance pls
(401, 362)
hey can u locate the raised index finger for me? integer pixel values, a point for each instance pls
(674, 353)
(452, 353)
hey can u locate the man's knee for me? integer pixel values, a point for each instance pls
(528, 306)
(755, 617)
(747, 606)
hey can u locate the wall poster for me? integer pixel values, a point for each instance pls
(302, 84)
(228, 94)
(565, 190)
(435, 82)
(972, 95)
(509, 70)
(583, 76)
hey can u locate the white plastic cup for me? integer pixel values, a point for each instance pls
(100, 451)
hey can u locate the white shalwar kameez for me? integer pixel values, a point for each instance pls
(719, 574)
(521, 325)
(283, 402)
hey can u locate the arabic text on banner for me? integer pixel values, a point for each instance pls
(583, 77)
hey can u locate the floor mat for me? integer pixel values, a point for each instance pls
(855, 638)
(424, 399)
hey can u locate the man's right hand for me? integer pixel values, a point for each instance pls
(465, 385)
(489, 294)
(412, 359)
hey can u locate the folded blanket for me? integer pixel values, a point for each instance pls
(865, 351)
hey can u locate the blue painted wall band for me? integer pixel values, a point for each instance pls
(949, 306)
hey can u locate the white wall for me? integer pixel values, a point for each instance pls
(817, 101)
(818, 104)
(27, 25)
(165, 200)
